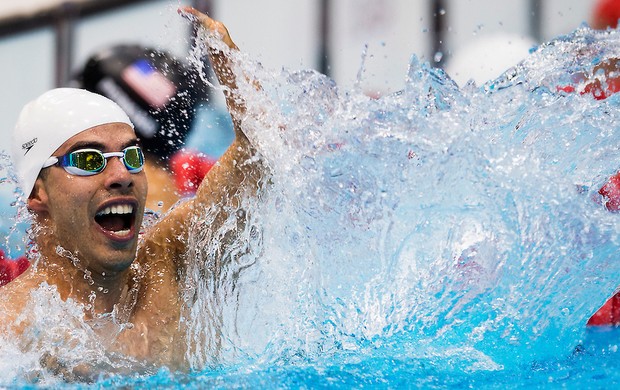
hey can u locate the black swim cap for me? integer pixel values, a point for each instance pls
(158, 93)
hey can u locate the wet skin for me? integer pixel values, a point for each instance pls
(70, 204)
(100, 267)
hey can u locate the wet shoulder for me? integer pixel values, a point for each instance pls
(15, 295)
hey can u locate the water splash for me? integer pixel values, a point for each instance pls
(447, 230)
(14, 217)
(458, 220)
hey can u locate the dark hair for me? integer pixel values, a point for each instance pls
(158, 93)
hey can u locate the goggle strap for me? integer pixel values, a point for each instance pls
(50, 161)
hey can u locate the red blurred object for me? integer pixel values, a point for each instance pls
(608, 314)
(566, 88)
(612, 85)
(600, 93)
(606, 14)
(10, 269)
(610, 192)
(188, 169)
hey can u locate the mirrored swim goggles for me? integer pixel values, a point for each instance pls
(87, 162)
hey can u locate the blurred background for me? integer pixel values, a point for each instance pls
(44, 42)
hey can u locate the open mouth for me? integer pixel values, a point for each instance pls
(116, 219)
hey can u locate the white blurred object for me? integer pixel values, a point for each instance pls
(28, 7)
(488, 57)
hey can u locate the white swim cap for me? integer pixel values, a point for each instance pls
(47, 122)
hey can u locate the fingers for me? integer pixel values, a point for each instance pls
(195, 16)
(191, 14)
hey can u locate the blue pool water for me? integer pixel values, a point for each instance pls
(594, 367)
(437, 237)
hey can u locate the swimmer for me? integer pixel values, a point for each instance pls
(79, 162)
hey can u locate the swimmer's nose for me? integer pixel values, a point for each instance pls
(117, 175)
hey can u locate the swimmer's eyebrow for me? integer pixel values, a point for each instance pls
(100, 146)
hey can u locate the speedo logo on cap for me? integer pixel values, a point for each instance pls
(28, 145)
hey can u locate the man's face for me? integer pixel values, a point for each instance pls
(95, 217)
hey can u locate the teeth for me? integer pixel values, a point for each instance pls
(121, 233)
(117, 209)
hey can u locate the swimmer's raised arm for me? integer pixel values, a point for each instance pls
(236, 175)
(237, 168)
(220, 61)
